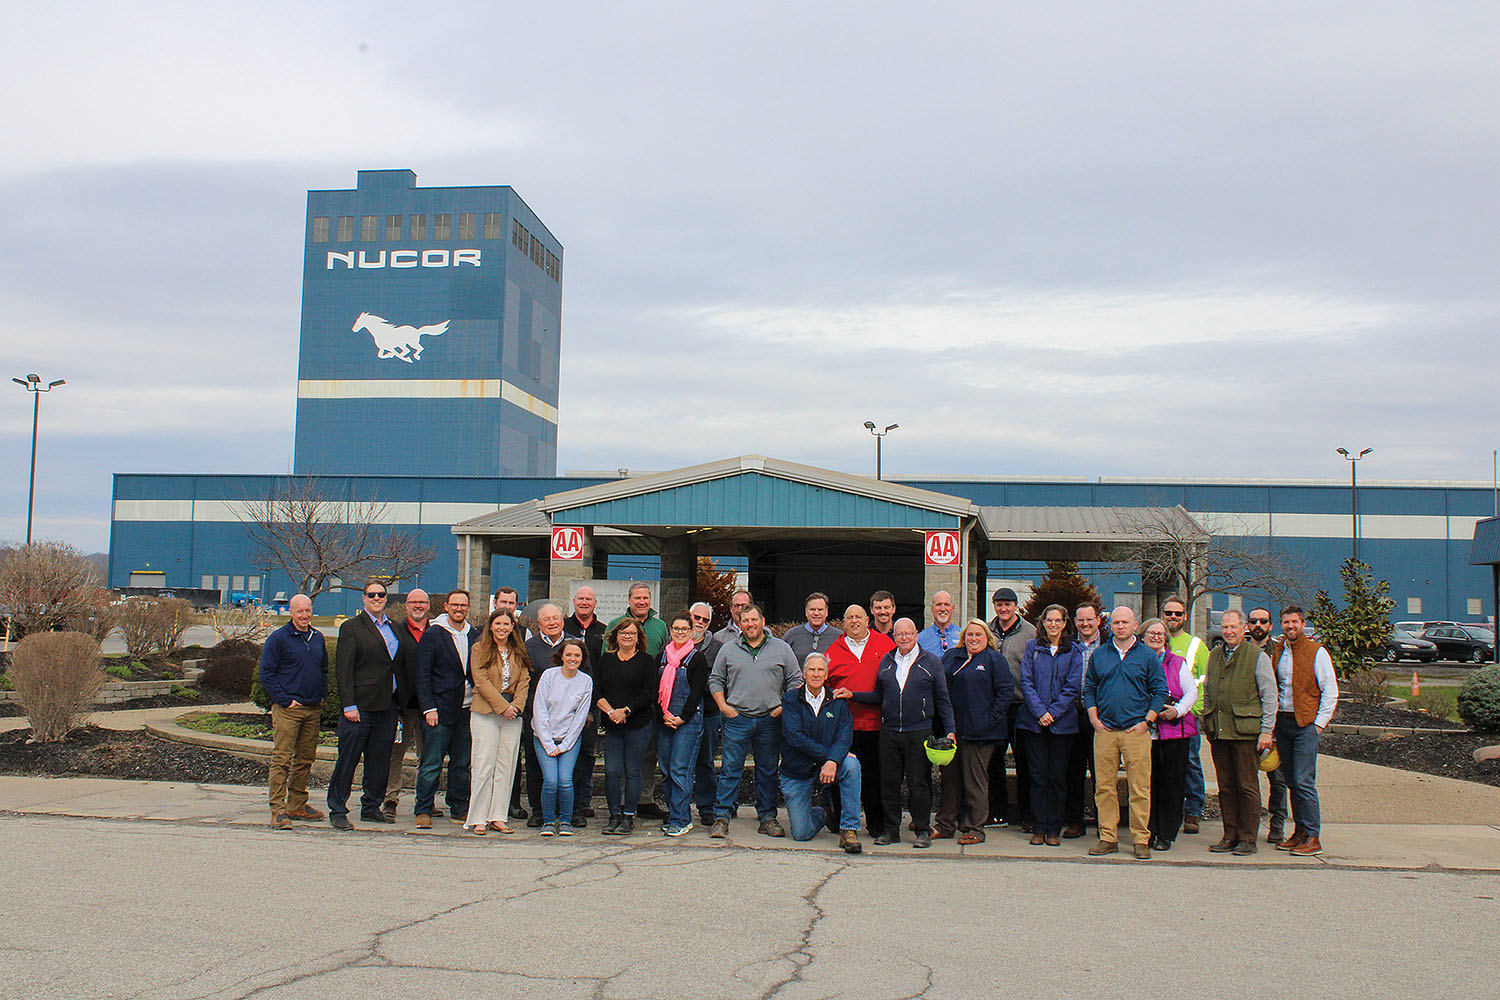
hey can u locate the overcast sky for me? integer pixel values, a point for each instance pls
(1159, 240)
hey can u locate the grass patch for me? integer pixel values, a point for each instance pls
(1440, 701)
(241, 727)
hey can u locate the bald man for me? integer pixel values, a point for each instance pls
(294, 672)
(409, 716)
(1124, 692)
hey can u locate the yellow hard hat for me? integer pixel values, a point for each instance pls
(1270, 760)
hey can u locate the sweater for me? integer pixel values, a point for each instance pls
(294, 666)
(752, 680)
(1124, 690)
(803, 640)
(560, 707)
(626, 684)
(858, 674)
(808, 742)
(653, 630)
(1013, 645)
(980, 689)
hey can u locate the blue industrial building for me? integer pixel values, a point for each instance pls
(427, 307)
(1418, 537)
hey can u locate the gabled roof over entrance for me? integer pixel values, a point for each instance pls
(756, 491)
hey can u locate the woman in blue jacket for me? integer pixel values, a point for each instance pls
(1051, 680)
(981, 687)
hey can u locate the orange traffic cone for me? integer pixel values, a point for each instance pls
(1416, 684)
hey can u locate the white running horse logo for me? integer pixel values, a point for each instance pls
(401, 342)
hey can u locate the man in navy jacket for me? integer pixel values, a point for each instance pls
(817, 733)
(443, 696)
(294, 672)
(912, 692)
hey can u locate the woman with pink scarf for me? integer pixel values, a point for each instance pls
(683, 675)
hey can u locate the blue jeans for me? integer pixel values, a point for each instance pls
(1297, 746)
(1195, 792)
(744, 735)
(804, 817)
(677, 750)
(706, 782)
(623, 751)
(455, 743)
(557, 781)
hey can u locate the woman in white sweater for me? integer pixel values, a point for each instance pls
(560, 708)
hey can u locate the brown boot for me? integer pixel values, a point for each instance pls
(1073, 831)
(1190, 824)
(849, 842)
(306, 814)
(281, 821)
(1309, 848)
(1292, 842)
(1224, 846)
(424, 821)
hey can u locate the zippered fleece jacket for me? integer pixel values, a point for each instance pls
(914, 708)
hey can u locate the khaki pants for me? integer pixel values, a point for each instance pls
(411, 736)
(1135, 749)
(292, 752)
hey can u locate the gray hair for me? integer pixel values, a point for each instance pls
(815, 656)
(701, 604)
(1240, 615)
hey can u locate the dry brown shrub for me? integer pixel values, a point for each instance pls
(154, 623)
(44, 585)
(56, 676)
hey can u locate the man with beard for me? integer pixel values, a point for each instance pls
(1260, 634)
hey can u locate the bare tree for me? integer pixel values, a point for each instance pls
(45, 585)
(250, 622)
(320, 541)
(1198, 555)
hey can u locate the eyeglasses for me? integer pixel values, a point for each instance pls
(1260, 621)
(700, 618)
(379, 595)
(1174, 614)
(682, 628)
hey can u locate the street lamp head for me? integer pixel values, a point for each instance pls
(21, 382)
(891, 427)
(869, 424)
(54, 385)
(1365, 452)
(33, 377)
(1344, 452)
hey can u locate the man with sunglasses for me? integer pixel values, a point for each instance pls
(738, 602)
(369, 655)
(1180, 640)
(1259, 633)
(705, 779)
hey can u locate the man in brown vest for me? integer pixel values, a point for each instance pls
(1308, 694)
(1239, 714)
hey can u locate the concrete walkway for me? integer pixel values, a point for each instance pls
(1374, 817)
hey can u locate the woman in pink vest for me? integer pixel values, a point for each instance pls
(1169, 742)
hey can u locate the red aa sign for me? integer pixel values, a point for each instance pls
(941, 548)
(567, 543)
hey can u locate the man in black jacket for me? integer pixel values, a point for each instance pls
(369, 654)
(443, 695)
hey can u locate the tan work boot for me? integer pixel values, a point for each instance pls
(849, 842)
(424, 821)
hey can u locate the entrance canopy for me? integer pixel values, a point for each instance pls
(801, 528)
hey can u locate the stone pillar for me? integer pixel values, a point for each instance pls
(563, 572)
(474, 568)
(679, 574)
(936, 578)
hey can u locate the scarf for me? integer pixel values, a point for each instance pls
(673, 657)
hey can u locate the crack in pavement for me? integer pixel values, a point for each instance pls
(801, 956)
(931, 975)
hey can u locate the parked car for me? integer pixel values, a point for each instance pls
(1462, 642)
(1403, 645)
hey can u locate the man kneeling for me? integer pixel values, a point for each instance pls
(817, 732)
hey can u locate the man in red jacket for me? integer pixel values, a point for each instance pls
(853, 663)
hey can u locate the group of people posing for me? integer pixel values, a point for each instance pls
(838, 719)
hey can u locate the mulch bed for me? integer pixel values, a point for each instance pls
(207, 698)
(107, 753)
(1448, 755)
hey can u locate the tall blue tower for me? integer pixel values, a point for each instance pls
(427, 309)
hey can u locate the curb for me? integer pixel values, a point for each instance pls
(1347, 730)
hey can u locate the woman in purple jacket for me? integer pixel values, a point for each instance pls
(1051, 680)
(1175, 727)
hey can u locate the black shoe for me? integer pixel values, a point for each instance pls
(706, 819)
(339, 821)
(924, 838)
(886, 838)
(627, 825)
(586, 811)
(519, 812)
(650, 810)
(613, 829)
(376, 817)
(1161, 845)
(535, 820)
(389, 808)
(1245, 847)
(579, 821)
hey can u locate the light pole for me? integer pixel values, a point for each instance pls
(870, 426)
(33, 384)
(1354, 494)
